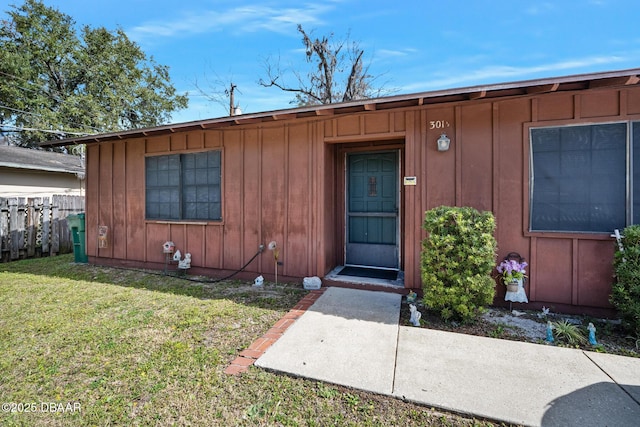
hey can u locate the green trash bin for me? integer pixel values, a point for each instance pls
(76, 223)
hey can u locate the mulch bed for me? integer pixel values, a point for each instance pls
(610, 335)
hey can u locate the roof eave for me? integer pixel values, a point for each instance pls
(525, 87)
(40, 168)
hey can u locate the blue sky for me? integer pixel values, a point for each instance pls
(413, 46)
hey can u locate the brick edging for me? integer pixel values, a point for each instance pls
(249, 355)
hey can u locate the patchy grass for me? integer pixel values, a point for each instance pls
(105, 346)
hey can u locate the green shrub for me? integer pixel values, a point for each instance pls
(625, 293)
(457, 258)
(568, 333)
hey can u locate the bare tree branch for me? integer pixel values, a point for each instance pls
(221, 91)
(327, 81)
(354, 79)
(273, 75)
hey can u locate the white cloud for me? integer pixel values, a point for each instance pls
(237, 20)
(390, 53)
(501, 72)
(540, 8)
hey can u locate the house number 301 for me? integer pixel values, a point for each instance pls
(438, 124)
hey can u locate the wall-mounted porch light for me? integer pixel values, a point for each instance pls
(443, 142)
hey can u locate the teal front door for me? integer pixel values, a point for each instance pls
(372, 210)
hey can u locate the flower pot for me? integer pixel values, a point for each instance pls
(513, 285)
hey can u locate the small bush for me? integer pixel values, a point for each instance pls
(625, 293)
(457, 258)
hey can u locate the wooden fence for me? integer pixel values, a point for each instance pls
(36, 226)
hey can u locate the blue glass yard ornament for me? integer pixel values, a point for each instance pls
(592, 334)
(411, 297)
(549, 332)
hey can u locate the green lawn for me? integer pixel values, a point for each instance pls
(106, 346)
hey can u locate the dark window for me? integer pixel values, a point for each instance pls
(580, 176)
(184, 186)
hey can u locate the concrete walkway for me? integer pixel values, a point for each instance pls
(352, 338)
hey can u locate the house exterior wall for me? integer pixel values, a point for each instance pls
(284, 181)
(274, 184)
(27, 182)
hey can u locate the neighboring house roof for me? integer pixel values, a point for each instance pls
(26, 158)
(556, 84)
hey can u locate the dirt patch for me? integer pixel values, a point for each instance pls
(528, 326)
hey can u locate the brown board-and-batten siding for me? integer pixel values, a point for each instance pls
(487, 167)
(283, 180)
(272, 190)
(570, 268)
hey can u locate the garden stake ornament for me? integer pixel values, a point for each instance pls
(512, 273)
(276, 253)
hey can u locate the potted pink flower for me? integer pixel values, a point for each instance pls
(513, 273)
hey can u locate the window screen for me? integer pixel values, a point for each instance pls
(184, 186)
(578, 181)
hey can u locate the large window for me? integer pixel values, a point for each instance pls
(183, 186)
(583, 178)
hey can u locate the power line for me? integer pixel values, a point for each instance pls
(42, 90)
(15, 77)
(57, 132)
(40, 115)
(20, 111)
(26, 81)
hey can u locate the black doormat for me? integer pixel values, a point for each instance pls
(372, 273)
